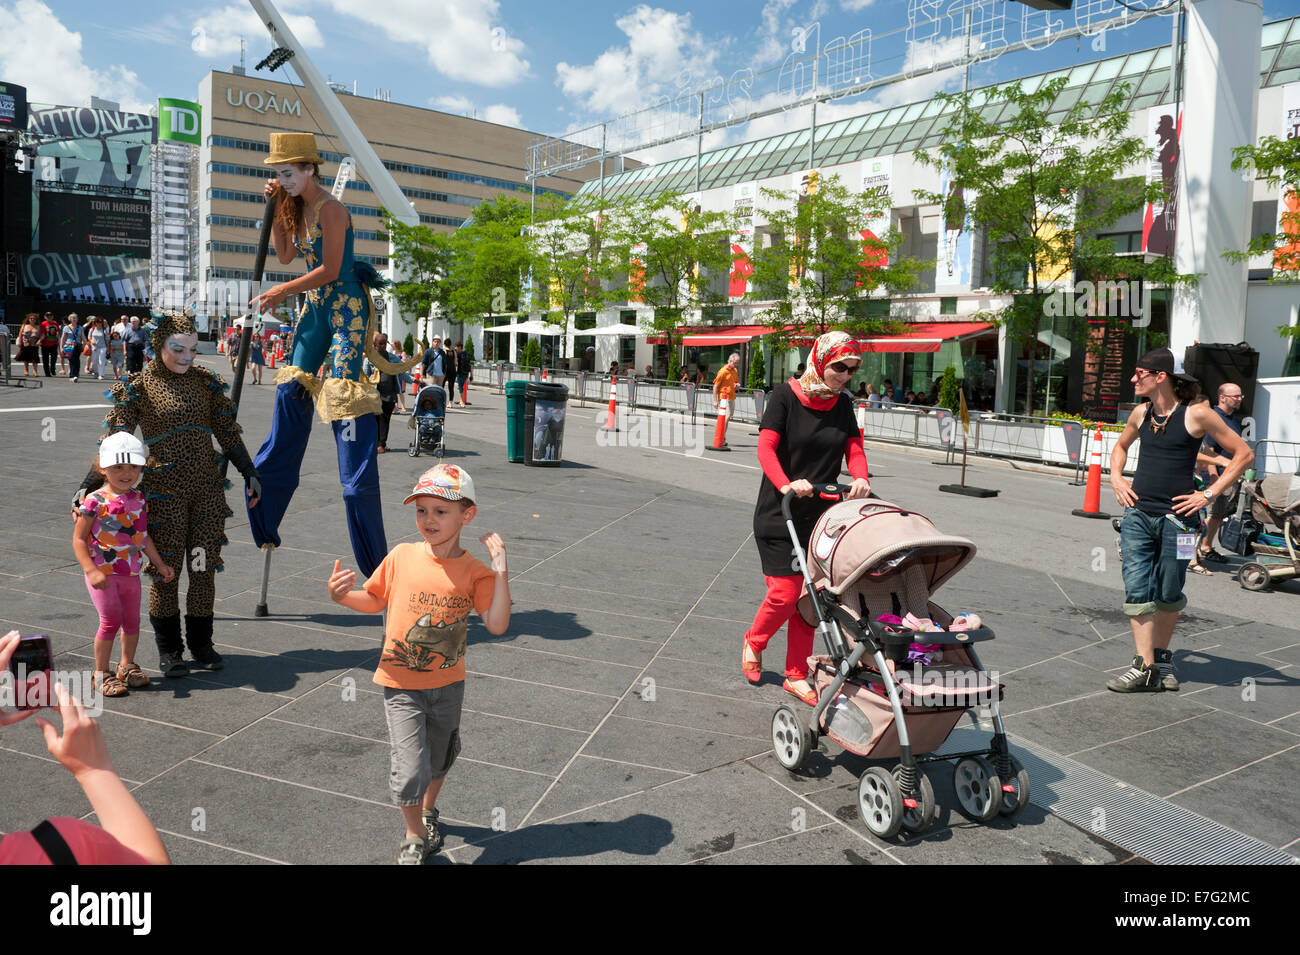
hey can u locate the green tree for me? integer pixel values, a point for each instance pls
(817, 270)
(424, 259)
(530, 356)
(490, 258)
(469, 348)
(685, 250)
(757, 368)
(570, 265)
(1041, 186)
(949, 390)
(1277, 162)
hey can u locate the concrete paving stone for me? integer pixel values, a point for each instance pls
(1291, 724)
(824, 845)
(700, 710)
(289, 639)
(295, 824)
(1182, 755)
(600, 647)
(59, 548)
(61, 620)
(590, 781)
(23, 566)
(1289, 654)
(184, 850)
(540, 594)
(520, 745)
(141, 747)
(48, 790)
(670, 747)
(725, 812)
(577, 622)
(1258, 800)
(531, 701)
(1101, 719)
(479, 796)
(289, 676)
(1227, 666)
(291, 609)
(1029, 688)
(622, 577)
(720, 677)
(1269, 696)
(707, 640)
(730, 610)
(564, 672)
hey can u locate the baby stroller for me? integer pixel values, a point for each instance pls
(428, 421)
(872, 558)
(1274, 502)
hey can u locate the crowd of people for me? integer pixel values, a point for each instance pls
(61, 349)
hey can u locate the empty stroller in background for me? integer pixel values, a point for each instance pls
(1274, 501)
(869, 558)
(428, 421)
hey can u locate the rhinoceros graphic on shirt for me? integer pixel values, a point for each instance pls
(426, 641)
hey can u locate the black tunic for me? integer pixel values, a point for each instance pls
(811, 447)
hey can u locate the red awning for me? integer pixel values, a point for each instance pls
(721, 335)
(924, 337)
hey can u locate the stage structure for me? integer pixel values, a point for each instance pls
(814, 73)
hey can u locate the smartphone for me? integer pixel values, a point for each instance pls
(30, 666)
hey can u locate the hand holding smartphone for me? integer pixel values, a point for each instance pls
(29, 660)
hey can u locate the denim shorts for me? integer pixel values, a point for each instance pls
(1153, 574)
(424, 731)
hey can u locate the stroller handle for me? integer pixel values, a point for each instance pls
(827, 492)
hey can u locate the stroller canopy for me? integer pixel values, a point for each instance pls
(436, 394)
(854, 539)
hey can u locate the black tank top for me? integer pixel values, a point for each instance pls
(1166, 463)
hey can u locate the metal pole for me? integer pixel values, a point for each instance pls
(699, 142)
(812, 126)
(603, 130)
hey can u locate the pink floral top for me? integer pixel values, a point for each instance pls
(118, 531)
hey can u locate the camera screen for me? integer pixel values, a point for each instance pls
(33, 653)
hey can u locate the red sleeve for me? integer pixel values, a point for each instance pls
(857, 458)
(767, 442)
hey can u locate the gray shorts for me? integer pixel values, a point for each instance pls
(424, 731)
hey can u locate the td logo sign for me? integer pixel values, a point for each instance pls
(179, 120)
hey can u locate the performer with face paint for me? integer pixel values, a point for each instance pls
(335, 325)
(180, 407)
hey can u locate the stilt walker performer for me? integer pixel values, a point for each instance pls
(180, 407)
(336, 325)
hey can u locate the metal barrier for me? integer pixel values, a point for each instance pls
(1284, 460)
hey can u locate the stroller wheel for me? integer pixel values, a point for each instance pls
(979, 791)
(920, 818)
(1254, 576)
(413, 450)
(791, 738)
(879, 803)
(1014, 803)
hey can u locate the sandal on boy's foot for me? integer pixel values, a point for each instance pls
(810, 697)
(108, 684)
(753, 669)
(432, 837)
(411, 852)
(132, 675)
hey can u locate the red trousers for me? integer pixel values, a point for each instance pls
(779, 608)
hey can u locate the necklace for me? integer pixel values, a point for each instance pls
(1157, 424)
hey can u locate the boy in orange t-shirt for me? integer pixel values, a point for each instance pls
(428, 590)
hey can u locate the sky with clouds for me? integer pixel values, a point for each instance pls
(544, 66)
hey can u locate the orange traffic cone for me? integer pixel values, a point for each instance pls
(1092, 494)
(270, 358)
(720, 429)
(415, 383)
(610, 423)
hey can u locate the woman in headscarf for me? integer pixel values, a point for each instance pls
(808, 431)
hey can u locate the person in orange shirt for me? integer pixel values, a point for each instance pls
(724, 386)
(428, 590)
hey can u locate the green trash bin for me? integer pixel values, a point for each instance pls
(545, 405)
(515, 421)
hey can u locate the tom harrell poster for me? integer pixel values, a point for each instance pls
(1164, 135)
(957, 242)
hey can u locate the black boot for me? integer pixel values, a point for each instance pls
(198, 634)
(167, 634)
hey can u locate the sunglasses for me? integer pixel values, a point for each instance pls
(842, 369)
(1141, 373)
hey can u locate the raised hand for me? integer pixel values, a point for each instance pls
(341, 582)
(496, 551)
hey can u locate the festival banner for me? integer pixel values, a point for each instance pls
(636, 274)
(1164, 135)
(744, 198)
(92, 150)
(805, 185)
(877, 182)
(13, 106)
(956, 254)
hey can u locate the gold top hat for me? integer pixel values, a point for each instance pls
(293, 147)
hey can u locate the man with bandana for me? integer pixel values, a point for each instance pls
(179, 408)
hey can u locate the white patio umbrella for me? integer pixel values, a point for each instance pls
(529, 328)
(620, 329)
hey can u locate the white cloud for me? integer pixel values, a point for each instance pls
(502, 114)
(464, 106)
(855, 6)
(40, 53)
(463, 39)
(218, 32)
(663, 55)
(776, 35)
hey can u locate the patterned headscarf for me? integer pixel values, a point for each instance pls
(164, 326)
(830, 347)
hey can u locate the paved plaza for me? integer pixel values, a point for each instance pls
(611, 723)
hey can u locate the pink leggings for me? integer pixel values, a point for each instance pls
(118, 605)
(778, 608)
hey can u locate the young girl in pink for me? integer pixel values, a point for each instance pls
(109, 541)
